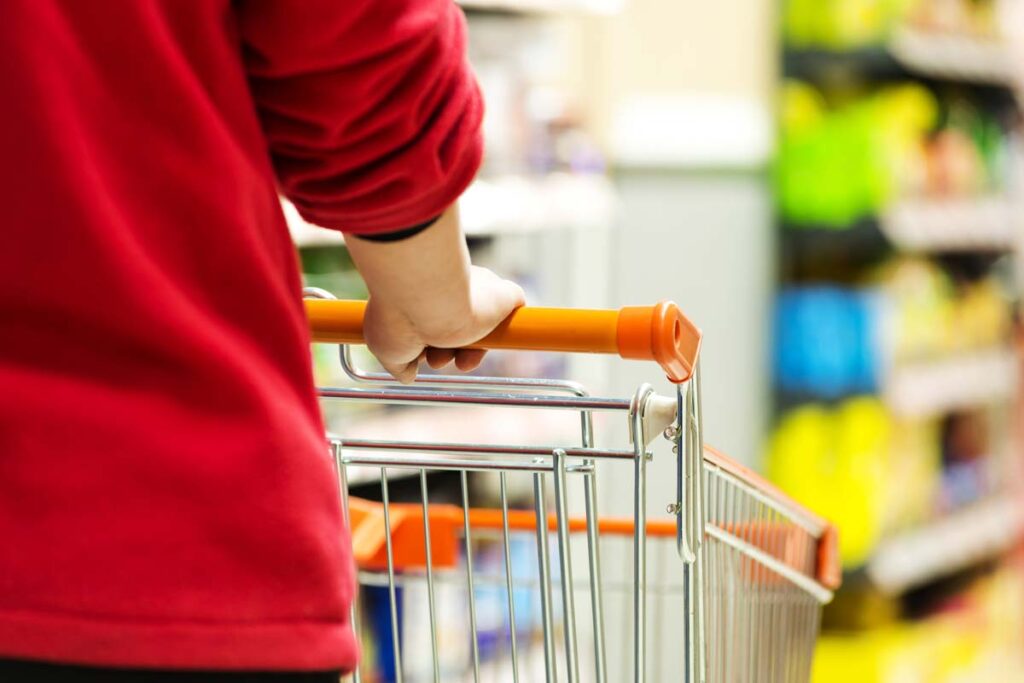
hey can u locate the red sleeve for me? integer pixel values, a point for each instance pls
(370, 109)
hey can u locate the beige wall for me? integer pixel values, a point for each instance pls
(661, 50)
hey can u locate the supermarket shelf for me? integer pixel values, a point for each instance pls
(514, 204)
(909, 53)
(928, 388)
(814, 64)
(506, 205)
(819, 253)
(971, 228)
(929, 225)
(962, 381)
(956, 542)
(952, 57)
(543, 6)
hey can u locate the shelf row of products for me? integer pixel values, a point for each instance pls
(846, 24)
(875, 474)
(897, 177)
(971, 631)
(965, 538)
(833, 340)
(847, 155)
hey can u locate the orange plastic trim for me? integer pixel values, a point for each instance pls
(830, 570)
(784, 542)
(660, 333)
(369, 540)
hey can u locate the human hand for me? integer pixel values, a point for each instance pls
(436, 328)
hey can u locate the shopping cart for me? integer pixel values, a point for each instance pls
(493, 595)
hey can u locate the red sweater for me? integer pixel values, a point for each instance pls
(166, 497)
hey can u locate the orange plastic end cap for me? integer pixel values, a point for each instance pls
(660, 333)
(830, 571)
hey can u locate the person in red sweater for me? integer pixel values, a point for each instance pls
(167, 503)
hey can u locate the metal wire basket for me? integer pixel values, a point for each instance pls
(752, 567)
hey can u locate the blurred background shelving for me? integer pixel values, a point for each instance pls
(505, 205)
(897, 377)
(911, 53)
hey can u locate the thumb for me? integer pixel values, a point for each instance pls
(403, 372)
(502, 297)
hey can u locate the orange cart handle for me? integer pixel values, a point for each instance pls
(660, 333)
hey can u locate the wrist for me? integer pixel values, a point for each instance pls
(435, 317)
(423, 282)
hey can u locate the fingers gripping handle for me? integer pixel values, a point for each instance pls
(660, 333)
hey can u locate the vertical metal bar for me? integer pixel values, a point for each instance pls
(685, 453)
(594, 552)
(689, 671)
(396, 650)
(719, 642)
(342, 471)
(796, 628)
(698, 620)
(712, 591)
(639, 537)
(812, 634)
(572, 664)
(773, 641)
(695, 478)
(430, 576)
(760, 588)
(690, 522)
(545, 576)
(800, 670)
(508, 578)
(596, 590)
(727, 557)
(699, 521)
(743, 625)
(470, 588)
(683, 446)
(658, 613)
(750, 598)
(626, 662)
(796, 655)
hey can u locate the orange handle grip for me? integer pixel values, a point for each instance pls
(660, 333)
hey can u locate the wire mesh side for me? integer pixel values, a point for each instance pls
(759, 624)
(498, 608)
(485, 613)
(741, 511)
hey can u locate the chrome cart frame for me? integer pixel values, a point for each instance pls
(754, 567)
